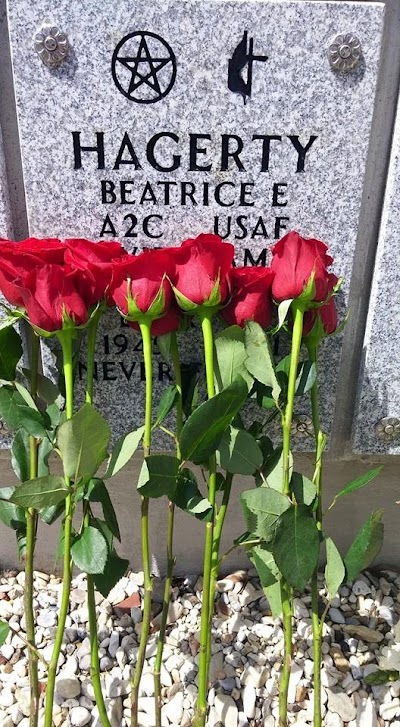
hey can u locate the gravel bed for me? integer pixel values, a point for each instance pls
(361, 631)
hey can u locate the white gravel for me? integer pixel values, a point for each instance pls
(361, 632)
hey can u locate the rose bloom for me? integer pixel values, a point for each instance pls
(168, 323)
(17, 259)
(95, 261)
(140, 286)
(294, 260)
(53, 297)
(251, 297)
(201, 274)
(327, 315)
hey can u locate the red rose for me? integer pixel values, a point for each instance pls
(201, 275)
(140, 286)
(294, 260)
(95, 260)
(52, 298)
(251, 297)
(19, 258)
(168, 323)
(327, 316)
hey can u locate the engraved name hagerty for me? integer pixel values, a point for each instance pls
(168, 152)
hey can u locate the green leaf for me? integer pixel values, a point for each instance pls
(359, 482)
(283, 309)
(4, 629)
(303, 489)
(123, 450)
(264, 396)
(273, 469)
(114, 570)
(50, 514)
(230, 357)
(17, 414)
(203, 431)
(259, 361)
(44, 451)
(239, 452)
(273, 593)
(20, 455)
(46, 388)
(246, 540)
(166, 404)
(365, 546)
(306, 377)
(89, 551)
(158, 476)
(21, 543)
(188, 497)
(40, 492)
(164, 346)
(382, 676)
(10, 352)
(190, 386)
(8, 406)
(98, 493)
(296, 546)
(334, 570)
(11, 515)
(83, 442)
(264, 561)
(262, 508)
(34, 422)
(27, 397)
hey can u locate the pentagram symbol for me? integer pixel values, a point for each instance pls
(143, 67)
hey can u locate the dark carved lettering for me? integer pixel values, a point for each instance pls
(301, 150)
(266, 148)
(108, 228)
(195, 150)
(250, 260)
(99, 149)
(227, 153)
(278, 192)
(151, 148)
(127, 146)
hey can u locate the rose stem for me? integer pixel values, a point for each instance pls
(91, 604)
(31, 526)
(286, 591)
(205, 626)
(145, 330)
(317, 623)
(215, 565)
(65, 338)
(170, 535)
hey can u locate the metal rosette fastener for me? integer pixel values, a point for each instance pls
(388, 429)
(345, 52)
(51, 45)
(302, 426)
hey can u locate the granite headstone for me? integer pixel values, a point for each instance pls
(377, 427)
(6, 231)
(171, 118)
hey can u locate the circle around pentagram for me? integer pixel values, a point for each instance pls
(155, 73)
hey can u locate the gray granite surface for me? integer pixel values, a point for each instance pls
(379, 396)
(295, 96)
(5, 212)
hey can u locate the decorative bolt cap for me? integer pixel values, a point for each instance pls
(388, 429)
(51, 45)
(345, 52)
(302, 426)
